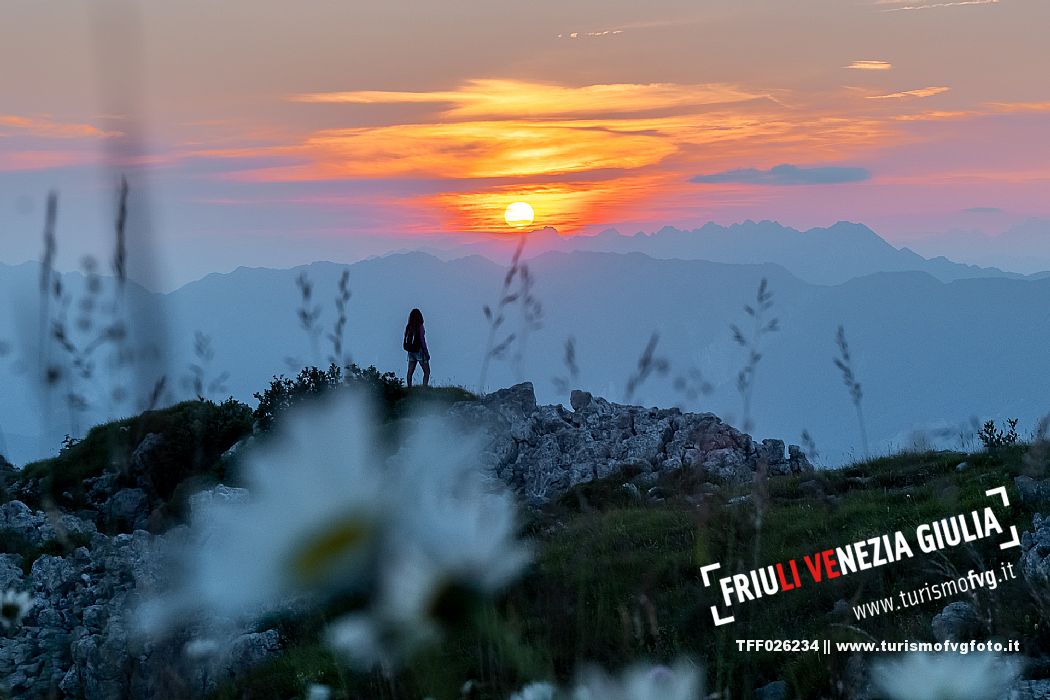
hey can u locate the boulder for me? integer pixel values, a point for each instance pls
(580, 399)
(251, 649)
(53, 575)
(139, 465)
(957, 622)
(797, 461)
(1034, 493)
(19, 521)
(1035, 552)
(101, 488)
(127, 510)
(10, 572)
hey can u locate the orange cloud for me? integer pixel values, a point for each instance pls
(516, 99)
(870, 65)
(530, 149)
(906, 94)
(1018, 107)
(47, 128)
(485, 149)
(935, 115)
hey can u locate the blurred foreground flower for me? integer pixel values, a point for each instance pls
(536, 691)
(643, 682)
(683, 681)
(308, 526)
(329, 514)
(452, 535)
(947, 676)
(13, 606)
(317, 691)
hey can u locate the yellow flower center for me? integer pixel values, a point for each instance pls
(320, 554)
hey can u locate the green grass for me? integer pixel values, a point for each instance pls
(616, 581)
(195, 434)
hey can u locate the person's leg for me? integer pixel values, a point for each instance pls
(411, 371)
(426, 373)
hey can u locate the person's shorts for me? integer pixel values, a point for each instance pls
(418, 357)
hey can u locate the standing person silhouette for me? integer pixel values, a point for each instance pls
(416, 346)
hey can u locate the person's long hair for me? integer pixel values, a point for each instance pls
(415, 320)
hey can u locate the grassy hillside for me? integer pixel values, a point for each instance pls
(617, 573)
(618, 579)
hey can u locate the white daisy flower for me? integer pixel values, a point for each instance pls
(318, 691)
(684, 681)
(447, 511)
(947, 676)
(310, 524)
(201, 648)
(451, 533)
(13, 607)
(536, 691)
(414, 536)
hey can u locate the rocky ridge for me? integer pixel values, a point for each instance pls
(543, 451)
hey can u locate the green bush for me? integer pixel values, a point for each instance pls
(284, 393)
(387, 389)
(193, 436)
(995, 438)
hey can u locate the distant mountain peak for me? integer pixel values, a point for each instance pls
(823, 255)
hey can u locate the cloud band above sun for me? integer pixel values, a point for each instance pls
(514, 99)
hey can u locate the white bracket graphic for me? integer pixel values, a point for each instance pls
(1001, 492)
(720, 620)
(705, 569)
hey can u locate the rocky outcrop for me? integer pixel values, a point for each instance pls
(543, 451)
(77, 639)
(1035, 553)
(73, 637)
(34, 529)
(1028, 690)
(1034, 493)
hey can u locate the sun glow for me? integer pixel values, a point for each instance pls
(580, 155)
(519, 214)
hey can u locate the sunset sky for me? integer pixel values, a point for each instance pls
(269, 131)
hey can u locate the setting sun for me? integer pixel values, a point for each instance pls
(519, 214)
